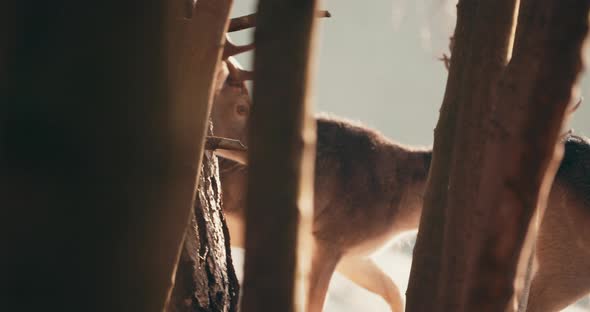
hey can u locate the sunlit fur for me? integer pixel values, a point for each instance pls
(563, 244)
(368, 189)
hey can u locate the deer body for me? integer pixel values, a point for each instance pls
(369, 189)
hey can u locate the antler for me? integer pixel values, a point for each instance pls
(249, 21)
(230, 49)
(242, 22)
(238, 75)
(245, 22)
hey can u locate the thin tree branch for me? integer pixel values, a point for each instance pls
(213, 143)
(249, 21)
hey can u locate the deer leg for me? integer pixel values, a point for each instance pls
(324, 260)
(365, 273)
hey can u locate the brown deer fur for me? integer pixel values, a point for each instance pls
(368, 189)
(360, 205)
(563, 244)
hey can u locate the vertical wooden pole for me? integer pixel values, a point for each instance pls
(281, 160)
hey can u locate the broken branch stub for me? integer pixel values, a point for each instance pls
(214, 143)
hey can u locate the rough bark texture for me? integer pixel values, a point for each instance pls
(495, 151)
(477, 60)
(205, 279)
(281, 146)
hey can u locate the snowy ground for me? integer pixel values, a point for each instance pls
(345, 296)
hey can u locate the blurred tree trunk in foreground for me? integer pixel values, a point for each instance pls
(495, 151)
(281, 159)
(103, 113)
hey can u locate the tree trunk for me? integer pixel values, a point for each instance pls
(281, 159)
(495, 152)
(103, 114)
(205, 278)
(477, 61)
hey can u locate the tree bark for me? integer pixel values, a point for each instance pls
(281, 159)
(103, 117)
(495, 152)
(476, 61)
(205, 279)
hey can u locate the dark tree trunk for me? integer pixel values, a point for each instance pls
(281, 159)
(103, 110)
(495, 152)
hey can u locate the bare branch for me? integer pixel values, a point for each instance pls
(215, 143)
(446, 58)
(249, 21)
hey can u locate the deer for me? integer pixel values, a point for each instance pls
(369, 190)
